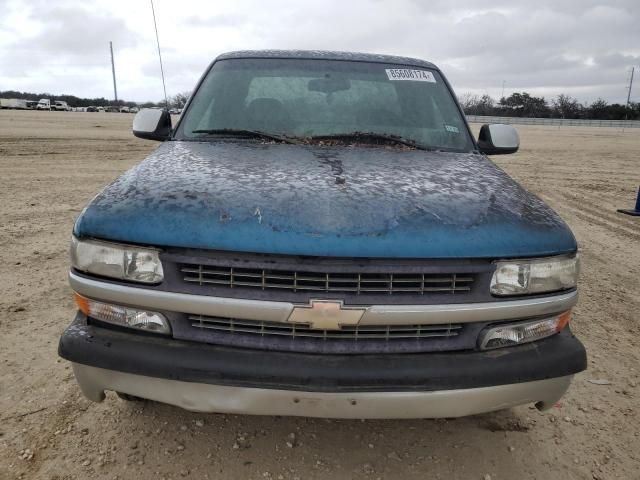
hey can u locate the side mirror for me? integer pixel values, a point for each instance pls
(152, 124)
(498, 139)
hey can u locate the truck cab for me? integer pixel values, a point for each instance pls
(44, 104)
(321, 235)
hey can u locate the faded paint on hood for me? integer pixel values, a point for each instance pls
(350, 201)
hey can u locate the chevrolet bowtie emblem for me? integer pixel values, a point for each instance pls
(326, 315)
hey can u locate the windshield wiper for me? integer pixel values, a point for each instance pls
(374, 136)
(246, 133)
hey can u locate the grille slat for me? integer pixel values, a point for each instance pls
(384, 333)
(328, 282)
(317, 288)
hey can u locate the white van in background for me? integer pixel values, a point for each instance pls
(44, 104)
(60, 105)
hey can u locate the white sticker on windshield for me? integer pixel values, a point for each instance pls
(451, 128)
(410, 74)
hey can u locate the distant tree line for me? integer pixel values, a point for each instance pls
(519, 104)
(522, 104)
(175, 101)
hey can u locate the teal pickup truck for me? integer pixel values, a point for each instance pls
(321, 235)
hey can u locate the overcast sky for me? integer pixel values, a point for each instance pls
(585, 48)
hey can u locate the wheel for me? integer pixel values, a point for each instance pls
(129, 398)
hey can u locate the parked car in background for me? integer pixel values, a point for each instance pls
(134, 110)
(175, 111)
(124, 109)
(60, 106)
(100, 109)
(112, 109)
(44, 104)
(92, 109)
(321, 235)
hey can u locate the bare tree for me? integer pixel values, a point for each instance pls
(566, 106)
(468, 101)
(473, 104)
(179, 100)
(485, 105)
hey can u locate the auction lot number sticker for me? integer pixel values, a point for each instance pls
(410, 74)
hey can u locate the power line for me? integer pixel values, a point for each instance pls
(155, 26)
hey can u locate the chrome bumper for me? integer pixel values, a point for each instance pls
(256, 401)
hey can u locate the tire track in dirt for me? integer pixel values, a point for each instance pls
(592, 218)
(598, 210)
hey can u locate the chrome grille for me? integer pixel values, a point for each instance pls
(353, 283)
(354, 333)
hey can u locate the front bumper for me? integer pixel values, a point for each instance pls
(222, 379)
(202, 397)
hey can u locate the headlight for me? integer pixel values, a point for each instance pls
(522, 277)
(116, 261)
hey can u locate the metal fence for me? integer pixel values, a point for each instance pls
(564, 122)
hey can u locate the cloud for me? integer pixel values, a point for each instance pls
(215, 21)
(69, 32)
(63, 48)
(581, 47)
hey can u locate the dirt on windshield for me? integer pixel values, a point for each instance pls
(53, 163)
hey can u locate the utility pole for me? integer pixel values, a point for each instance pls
(626, 110)
(113, 71)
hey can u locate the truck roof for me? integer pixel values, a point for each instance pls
(327, 55)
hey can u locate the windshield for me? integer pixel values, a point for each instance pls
(304, 99)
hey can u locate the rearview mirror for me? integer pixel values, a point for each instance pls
(328, 85)
(152, 124)
(498, 139)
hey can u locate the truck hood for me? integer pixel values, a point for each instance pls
(340, 201)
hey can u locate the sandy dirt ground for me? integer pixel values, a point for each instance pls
(52, 163)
